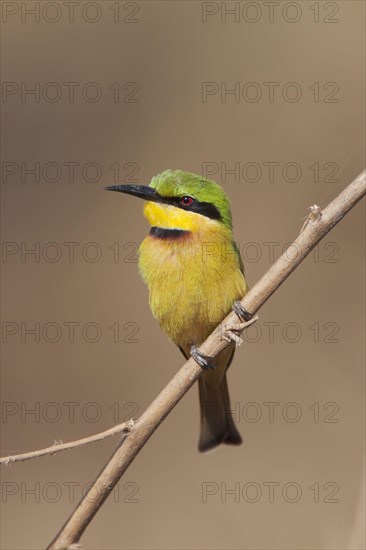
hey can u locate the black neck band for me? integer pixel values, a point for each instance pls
(164, 233)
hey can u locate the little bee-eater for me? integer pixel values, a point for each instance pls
(195, 275)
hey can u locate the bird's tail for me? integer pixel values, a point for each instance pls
(217, 423)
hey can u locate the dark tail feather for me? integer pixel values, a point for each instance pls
(217, 423)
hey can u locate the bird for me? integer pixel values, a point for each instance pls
(195, 276)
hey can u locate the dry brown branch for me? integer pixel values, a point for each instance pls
(319, 223)
(58, 447)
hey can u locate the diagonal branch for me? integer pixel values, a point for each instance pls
(318, 224)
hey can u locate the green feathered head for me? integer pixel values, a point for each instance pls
(194, 193)
(186, 191)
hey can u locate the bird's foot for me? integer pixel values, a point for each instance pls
(241, 312)
(246, 318)
(201, 359)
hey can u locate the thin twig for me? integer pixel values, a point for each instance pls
(58, 447)
(318, 225)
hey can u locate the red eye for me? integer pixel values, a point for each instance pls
(186, 201)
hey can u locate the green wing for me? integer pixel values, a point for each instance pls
(240, 260)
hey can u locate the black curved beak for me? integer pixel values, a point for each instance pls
(141, 191)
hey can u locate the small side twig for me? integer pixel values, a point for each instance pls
(58, 447)
(314, 216)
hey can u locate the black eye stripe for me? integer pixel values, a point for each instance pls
(204, 208)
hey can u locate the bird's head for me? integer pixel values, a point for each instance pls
(180, 200)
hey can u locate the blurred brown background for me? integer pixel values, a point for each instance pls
(297, 384)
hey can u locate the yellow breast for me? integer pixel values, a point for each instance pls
(193, 279)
